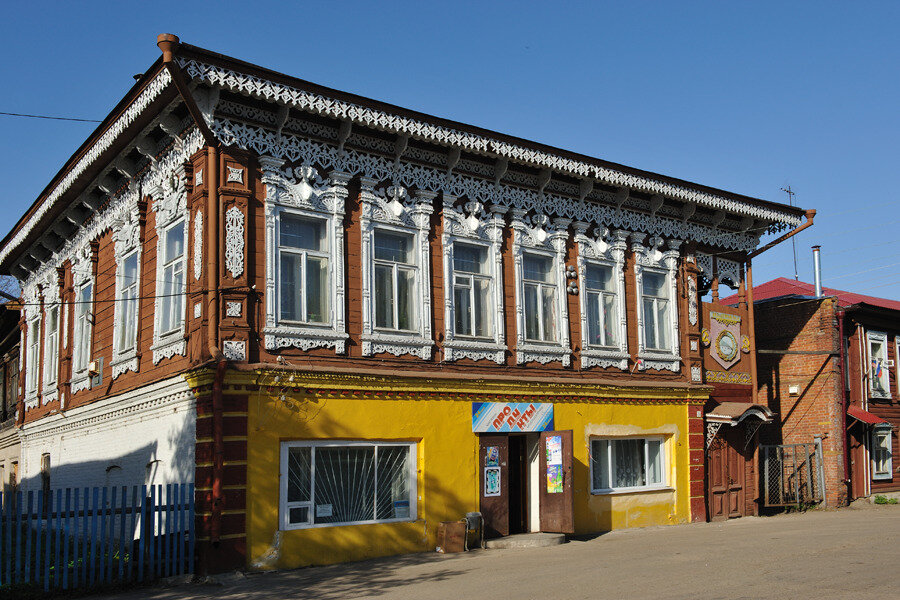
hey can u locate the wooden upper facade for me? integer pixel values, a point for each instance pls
(227, 210)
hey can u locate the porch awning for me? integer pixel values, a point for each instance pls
(734, 413)
(865, 416)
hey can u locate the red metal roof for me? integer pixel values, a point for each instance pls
(790, 287)
(864, 416)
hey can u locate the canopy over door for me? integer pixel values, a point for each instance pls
(557, 497)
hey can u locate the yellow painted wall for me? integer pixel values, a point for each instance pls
(447, 483)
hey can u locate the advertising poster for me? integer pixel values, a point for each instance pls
(492, 456)
(554, 450)
(491, 481)
(505, 417)
(554, 479)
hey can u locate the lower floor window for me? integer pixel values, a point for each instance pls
(882, 465)
(342, 483)
(627, 463)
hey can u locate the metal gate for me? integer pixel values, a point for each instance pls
(792, 474)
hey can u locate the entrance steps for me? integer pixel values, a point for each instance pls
(526, 540)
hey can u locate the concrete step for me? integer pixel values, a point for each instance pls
(526, 540)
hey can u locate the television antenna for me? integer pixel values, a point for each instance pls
(791, 194)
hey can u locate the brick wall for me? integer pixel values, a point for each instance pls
(809, 326)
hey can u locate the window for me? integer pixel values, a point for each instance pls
(540, 291)
(33, 356)
(81, 347)
(343, 483)
(128, 303)
(655, 296)
(600, 291)
(627, 464)
(882, 463)
(172, 306)
(51, 349)
(395, 281)
(303, 262)
(879, 378)
(471, 291)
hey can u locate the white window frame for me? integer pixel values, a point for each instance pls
(540, 237)
(652, 259)
(285, 506)
(471, 227)
(302, 193)
(31, 365)
(127, 240)
(50, 363)
(394, 211)
(882, 338)
(664, 459)
(82, 275)
(880, 431)
(605, 249)
(170, 204)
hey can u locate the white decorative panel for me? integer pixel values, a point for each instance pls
(234, 241)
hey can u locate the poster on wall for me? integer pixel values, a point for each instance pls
(491, 481)
(554, 479)
(505, 417)
(492, 456)
(554, 450)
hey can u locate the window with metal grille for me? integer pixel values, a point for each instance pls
(345, 483)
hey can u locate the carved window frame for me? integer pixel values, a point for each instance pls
(393, 210)
(878, 337)
(170, 205)
(302, 192)
(127, 240)
(82, 275)
(471, 227)
(50, 293)
(31, 363)
(651, 258)
(605, 249)
(539, 236)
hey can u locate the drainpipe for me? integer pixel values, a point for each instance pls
(844, 399)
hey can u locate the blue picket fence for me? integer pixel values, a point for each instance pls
(81, 537)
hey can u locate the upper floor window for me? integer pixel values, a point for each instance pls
(81, 346)
(655, 297)
(51, 346)
(539, 252)
(540, 289)
(656, 275)
(602, 311)
(882, 459)
(473, 293)
(879, 377)
(396, 279)
(304, 257)
(396, 311)
(33, 357)
(173, 266)
(303, 263)
(128, 303)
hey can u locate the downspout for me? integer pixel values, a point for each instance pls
(844, 399)
(168, 43)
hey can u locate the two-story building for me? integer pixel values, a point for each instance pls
(347, 321)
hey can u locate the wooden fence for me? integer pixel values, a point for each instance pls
(82, 537)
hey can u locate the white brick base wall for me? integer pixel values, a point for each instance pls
(146, 436)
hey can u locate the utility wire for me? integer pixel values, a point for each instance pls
(12, 114)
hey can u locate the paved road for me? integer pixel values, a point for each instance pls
(849, 553)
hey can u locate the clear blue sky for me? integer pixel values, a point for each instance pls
(748, 97)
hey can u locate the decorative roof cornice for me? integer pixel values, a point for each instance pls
(316, 103)
(151, 91)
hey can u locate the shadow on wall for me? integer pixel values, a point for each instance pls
(441, 498)
(157, 462)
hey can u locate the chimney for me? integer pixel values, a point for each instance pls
(817, 268)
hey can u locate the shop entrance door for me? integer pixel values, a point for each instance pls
(557, 496)
(493, 469)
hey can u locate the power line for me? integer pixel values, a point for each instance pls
(12, 114)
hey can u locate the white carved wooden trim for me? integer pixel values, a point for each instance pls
(652, 258)
(301, 191)
(234, 241)
(473, 227)
(608, 249)
(198, 244)
(126, 235)
(543, 237)
(402, 214)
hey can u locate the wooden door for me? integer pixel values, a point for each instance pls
(735, 473)
(557, 494)
(493, 472)
(717, 479)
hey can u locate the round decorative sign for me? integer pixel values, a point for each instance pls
(726, 346)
